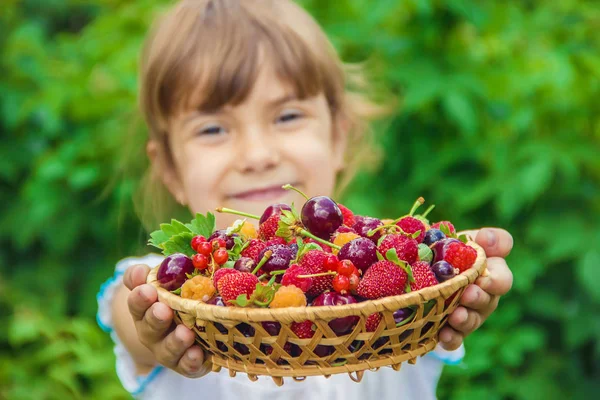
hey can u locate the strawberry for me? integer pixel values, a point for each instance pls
(373, 321)
(221, 273)
(304, 330)
(347, 214)
(253, 249)
(448, 225)
(460, 256)
(407, 249)
(290, 277)
(313, 262)
(423, 275)
(232, 285)
(382, 279)
(411, 225)
(267, 229)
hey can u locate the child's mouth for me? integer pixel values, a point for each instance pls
(268, 193)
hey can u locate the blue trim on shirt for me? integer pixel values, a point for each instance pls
(447, 361)
(145, 381)
(100, 296)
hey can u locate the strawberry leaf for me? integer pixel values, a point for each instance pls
(166, 232)
(444, 228)
(379, 256)
(415, 235)
(228, 264)
(463, 238)
(238, 246)
(176, 291)
(202, 225)
(241, 301)
(392, 256)
(179, 244)
(263, 295)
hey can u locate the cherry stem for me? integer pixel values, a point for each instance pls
(234, 212)
(290, 187)
(329, 273)
(431, 207)
(306, 233)
(263, 260)
(417, 204)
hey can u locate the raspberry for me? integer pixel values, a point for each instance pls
(221, 273)
(248, 231)
(460, 256)
(406, 248)
(275, 240)
(373, 321)
(448, 225)
(304, 330)
(411, 225)
(347, 214)
(266, 230)
(342, 238)
(198, 288)
(232, 285)
(424, 276)
(313, 262)
(254, 249)
(291, 278)
(382, 279)
(288, 296)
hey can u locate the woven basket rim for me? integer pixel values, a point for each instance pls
(298, 314)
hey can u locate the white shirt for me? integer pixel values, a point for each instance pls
(418, 381)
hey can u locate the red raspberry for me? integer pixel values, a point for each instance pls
(348, 215)
(406, 248)
(411, 225)
(254, 249)
(424, 276)
(373, 321)
(460, 256)
(448, 225)
(291, 278)
(275, 240)
(304, 330)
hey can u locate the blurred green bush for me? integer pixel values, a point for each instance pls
(499, 124)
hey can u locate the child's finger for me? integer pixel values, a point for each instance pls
(135, 276)
(465, 321)
(499, 279)
(496, 242)
(476, 298)
(140, 299)
(450, 339)
(169, 351)
(193, 363)
(155, 324)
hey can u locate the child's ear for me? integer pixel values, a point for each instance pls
(164, 169)
(341, 129)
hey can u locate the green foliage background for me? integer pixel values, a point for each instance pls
(499, 125)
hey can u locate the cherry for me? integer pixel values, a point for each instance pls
(280, 259)
(204, 248)
(196, 240)
(244, 264)
(200, 261)
(433, 235)
(321, 216)
(220, 256)
(443, 270)
(273, 209)
(363, 225)
(222, 234)
(361, 252)
(173, 271)
(339, 325)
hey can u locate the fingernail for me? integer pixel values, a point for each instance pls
(491, 238)
(191, 357)
(464, 317)
(155, 313)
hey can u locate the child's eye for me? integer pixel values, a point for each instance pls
(212, 130)
(289, 116)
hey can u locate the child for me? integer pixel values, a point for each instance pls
(241, 97)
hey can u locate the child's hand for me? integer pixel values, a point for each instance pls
(172, 348)
(481, 299)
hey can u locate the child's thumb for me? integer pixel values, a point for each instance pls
(135, 276)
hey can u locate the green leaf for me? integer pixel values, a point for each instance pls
(203, 225)
(425, 253)
(445, 229)
(392, 256)
(241, 301)
(587, 272)
(179, 244)
(463, 238)
(176, 291)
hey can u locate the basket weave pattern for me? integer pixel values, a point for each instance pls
(220, 331)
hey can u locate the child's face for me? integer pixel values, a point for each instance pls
(240, 156)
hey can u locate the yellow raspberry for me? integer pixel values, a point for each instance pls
(387, 221)
(343, 238)
(248, 231)
(288, 296)
(198, 288)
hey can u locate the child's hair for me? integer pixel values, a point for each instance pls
(205, 54)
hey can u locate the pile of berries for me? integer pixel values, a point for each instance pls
(324, 255)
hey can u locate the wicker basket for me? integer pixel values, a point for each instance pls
(219, 331)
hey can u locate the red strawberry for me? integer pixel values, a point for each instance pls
(313, 262)
(232, 285)
(254, 249)
(267, 229)
(406, 248)
(411, 225)
(348, 215)
(303, 330)
(423, 275)
(325, 248)
(290, 277)
(275, 240)
(221, 273)
(460, 256)
(382, 279)
(448, 225)
(373, 321)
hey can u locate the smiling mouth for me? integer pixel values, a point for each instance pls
(266, 193)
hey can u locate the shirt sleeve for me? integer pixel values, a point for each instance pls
(453, 357)
(125, 366)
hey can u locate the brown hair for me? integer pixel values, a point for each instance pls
(204, 54)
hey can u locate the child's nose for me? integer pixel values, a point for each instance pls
(258, 152)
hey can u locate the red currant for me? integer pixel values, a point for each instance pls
(354, 280)
(220, 256)
(331, 263)
(341, 284)
(218, 243)
(196, 240)
(346, 268)
(204, 248)
(200, 261)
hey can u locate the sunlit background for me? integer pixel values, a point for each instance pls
(498, 124)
